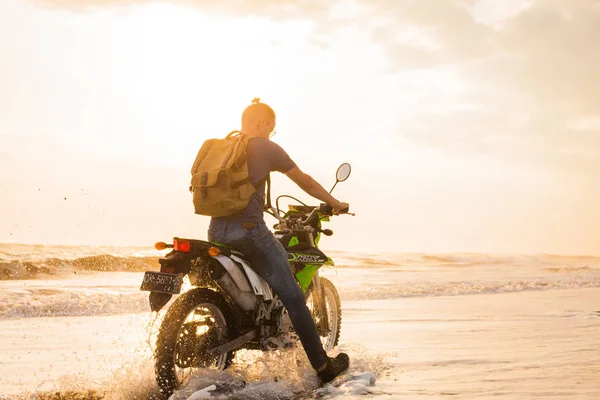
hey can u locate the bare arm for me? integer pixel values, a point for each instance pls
(313, 188)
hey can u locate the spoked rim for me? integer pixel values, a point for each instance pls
(328, 341)
(204, 326)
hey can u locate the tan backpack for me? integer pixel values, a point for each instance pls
(220, 182)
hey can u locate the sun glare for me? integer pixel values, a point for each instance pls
(125, 93)
(189, 82)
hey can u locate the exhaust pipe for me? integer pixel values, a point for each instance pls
(246, 300)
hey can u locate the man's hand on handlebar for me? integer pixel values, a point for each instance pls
(340, 208)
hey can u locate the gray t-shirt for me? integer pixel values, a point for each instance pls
(264, 157)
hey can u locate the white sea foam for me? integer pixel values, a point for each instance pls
(56, 298)
(284, 376)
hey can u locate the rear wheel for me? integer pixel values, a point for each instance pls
(329, 332)
(196, 322)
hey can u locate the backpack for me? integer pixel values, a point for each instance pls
(220, 182)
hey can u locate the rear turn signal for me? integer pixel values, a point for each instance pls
(160, 245)
(182, 245)
(214, 251)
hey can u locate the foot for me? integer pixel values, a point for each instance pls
(334, 367)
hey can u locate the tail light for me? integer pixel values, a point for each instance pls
(182, 245)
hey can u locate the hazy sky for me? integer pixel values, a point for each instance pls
(470, 125)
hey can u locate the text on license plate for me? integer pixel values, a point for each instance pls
(162, 282)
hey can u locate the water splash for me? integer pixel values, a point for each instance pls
(285, 375)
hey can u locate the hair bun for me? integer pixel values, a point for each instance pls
(256, 100)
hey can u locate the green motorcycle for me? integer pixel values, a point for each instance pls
(230, 307)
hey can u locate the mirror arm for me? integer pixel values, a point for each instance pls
(336, 182)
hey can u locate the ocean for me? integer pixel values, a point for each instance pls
(74, 325)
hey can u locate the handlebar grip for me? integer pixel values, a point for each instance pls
(326, 209)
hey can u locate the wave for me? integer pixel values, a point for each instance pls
(569, 269)
(462, 260)
(389, 292)
(98, 294)
(53, 267)
(43, 262)
(49, 303)
(91, 298)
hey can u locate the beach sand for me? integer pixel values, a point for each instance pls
(542, 344)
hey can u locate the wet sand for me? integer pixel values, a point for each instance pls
(543, 344)
(532, 344)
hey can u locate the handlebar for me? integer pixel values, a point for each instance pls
(310, 216)
(326, 209)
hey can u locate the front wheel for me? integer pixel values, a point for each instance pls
(196, 322)
(330, 332)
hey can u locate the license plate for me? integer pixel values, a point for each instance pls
(162, 282)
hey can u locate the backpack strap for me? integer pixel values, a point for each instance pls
(232, 134)
(268, 204)
(234, 149)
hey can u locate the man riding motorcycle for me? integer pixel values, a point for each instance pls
(247, 232)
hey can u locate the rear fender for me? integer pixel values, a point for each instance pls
(258, 284)
(176, 262)
(195, 263)
(245, 277)
(158, 300)
(235, 271)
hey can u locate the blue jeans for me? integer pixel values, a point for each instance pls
(269, 259)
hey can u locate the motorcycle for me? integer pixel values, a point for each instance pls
(230, 307)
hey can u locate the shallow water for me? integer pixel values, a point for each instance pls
(415, 326)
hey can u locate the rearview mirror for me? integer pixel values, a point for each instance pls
(343, 172)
